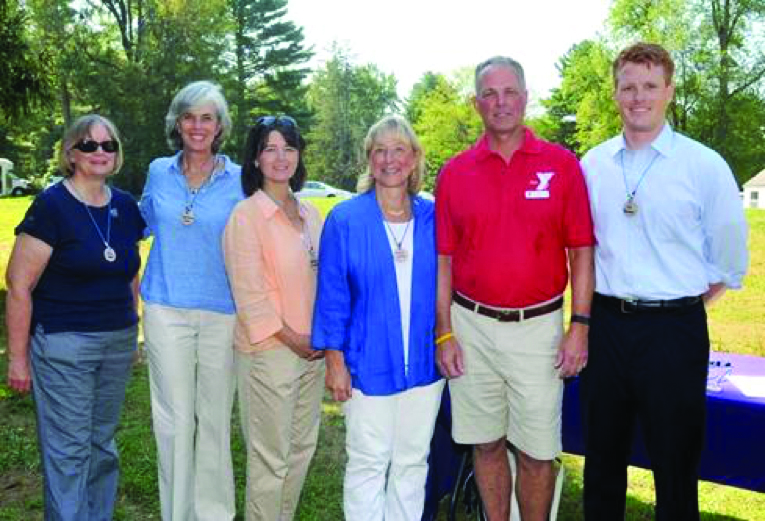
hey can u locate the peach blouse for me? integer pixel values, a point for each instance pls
(269, 269)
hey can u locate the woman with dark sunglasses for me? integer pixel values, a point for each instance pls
(189, 311)
(271, 246)
(72, 321)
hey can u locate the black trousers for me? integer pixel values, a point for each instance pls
(650, 366)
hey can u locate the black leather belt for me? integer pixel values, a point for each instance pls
(644, 306)
(507, 315)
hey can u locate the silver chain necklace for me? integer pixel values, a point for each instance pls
(630, 206)
(305, 236)
(188, 217)
(109, 254)
(401, 253)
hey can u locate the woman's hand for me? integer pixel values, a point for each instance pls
(299, 344)
(338, 379)
(19, 378)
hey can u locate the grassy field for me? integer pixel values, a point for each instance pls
(736, 324)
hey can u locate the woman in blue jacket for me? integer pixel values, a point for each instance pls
(375, 317)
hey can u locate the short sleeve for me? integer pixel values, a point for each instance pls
(41, 220)
(137, 222)
(577, 217)
(445, 235)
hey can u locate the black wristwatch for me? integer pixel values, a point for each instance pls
(581, 319)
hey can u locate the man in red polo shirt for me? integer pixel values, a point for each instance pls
(513, 221)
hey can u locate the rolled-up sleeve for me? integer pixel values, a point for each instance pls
(332, 311)
(725, 228)
(146, 204)
(243, 253)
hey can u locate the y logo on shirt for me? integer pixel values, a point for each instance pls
(541, 191)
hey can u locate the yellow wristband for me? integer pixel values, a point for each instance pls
(443, 338)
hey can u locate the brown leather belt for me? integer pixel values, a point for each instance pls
(508, 315)
(645, 306)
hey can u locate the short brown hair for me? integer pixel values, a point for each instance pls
(646, 54)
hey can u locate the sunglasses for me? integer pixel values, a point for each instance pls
(276, 121)
(89, 146)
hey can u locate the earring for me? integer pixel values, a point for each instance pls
(256, 163)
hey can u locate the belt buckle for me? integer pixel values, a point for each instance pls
(509, 315)
(624, 303)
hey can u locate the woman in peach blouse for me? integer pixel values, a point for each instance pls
(270, 247)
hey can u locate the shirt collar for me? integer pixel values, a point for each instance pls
(530, 145)
(175, 166)
(663, 143)
(269, 208)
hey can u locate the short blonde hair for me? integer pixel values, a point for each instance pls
(80, 130)
(398, 128)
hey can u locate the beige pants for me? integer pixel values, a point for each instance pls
(510, 386)
(280, 403)
(191, 373)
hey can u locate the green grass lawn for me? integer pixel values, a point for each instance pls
(736, 325)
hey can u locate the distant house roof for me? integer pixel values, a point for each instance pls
(758, 180)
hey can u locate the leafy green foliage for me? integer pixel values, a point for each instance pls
(446, 123)
(266, 63)
(346, 99)
(24, 83)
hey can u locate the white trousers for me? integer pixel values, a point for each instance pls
(388, 441)
(191, 374)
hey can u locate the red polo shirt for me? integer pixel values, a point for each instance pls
(507, 225)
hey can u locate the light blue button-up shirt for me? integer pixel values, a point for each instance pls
(185, 267)
(689, 230)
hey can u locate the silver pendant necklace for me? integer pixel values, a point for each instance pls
(109, 254)
(630, 207)
(305, 236)
(187, 216)
(401, 254)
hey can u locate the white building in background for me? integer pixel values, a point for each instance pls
(754, 191)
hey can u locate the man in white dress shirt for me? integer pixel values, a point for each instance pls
(671, 237)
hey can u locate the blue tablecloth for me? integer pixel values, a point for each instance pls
(734, 452)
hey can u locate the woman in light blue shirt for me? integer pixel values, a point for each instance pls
(375, 317)
(189, 311)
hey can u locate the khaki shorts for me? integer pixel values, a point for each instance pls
(510, 386)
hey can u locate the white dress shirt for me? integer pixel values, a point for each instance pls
(689, 230)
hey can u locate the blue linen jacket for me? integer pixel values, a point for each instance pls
(357, 308)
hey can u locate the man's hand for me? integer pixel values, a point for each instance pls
(19, 378)
(337, 379)
(714, 293)
(572, 353)
(449, 359)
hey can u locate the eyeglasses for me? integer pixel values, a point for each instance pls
(276, 121)
(89, 146)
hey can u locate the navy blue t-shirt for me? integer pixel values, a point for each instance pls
(79, 290)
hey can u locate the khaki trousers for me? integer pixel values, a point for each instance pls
(191, 374)
(280, 404)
